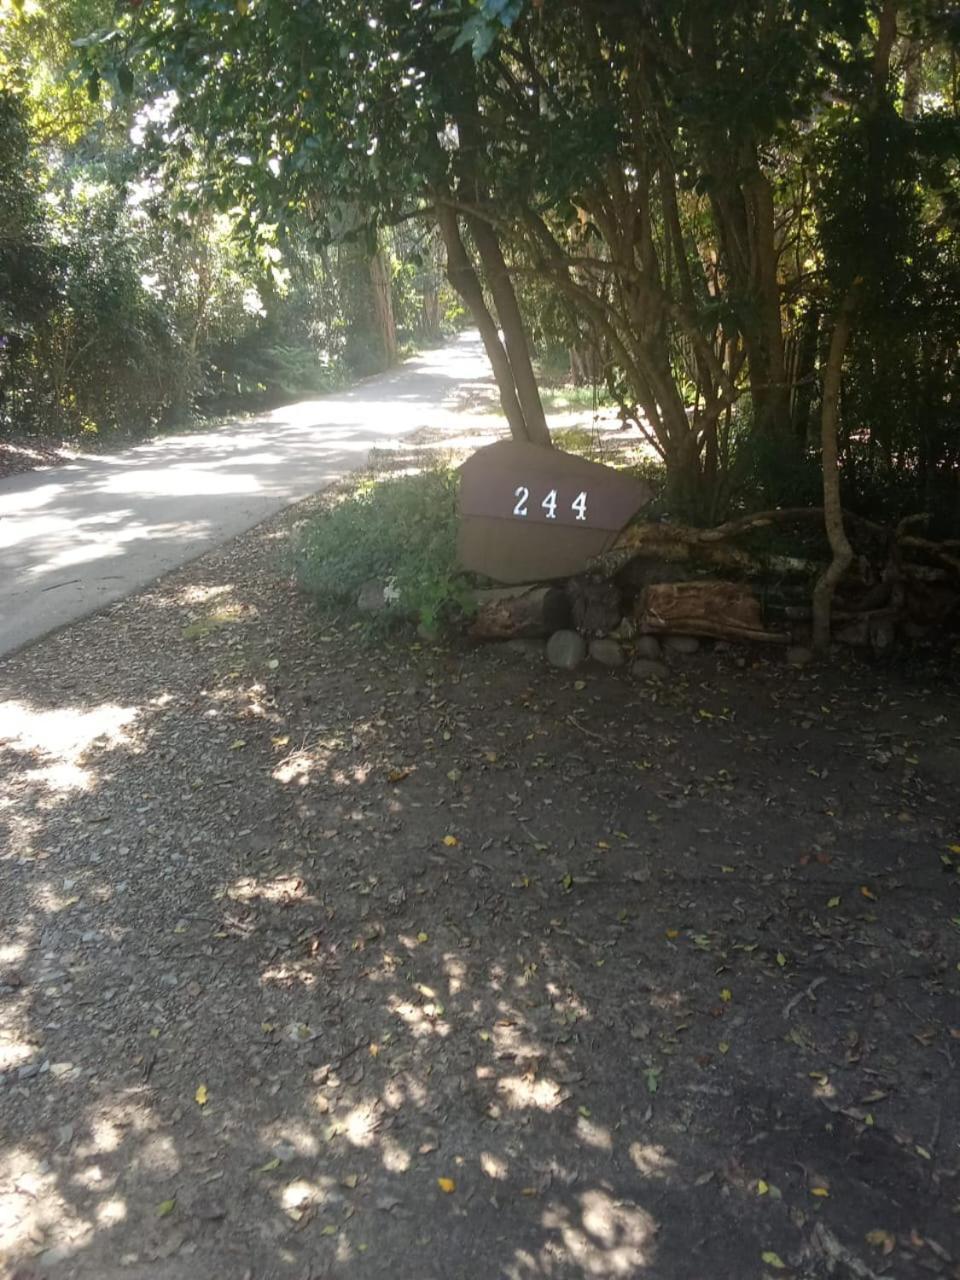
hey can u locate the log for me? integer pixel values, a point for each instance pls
(595, 605)
(648, 538)
(515, 613)
(725, 610)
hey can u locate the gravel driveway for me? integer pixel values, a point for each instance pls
(327, 960)
(76, 537)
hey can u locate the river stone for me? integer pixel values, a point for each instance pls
(372, 597)
(647, 647)
(607, 652)
(566, 649)
(530, 649)
(649, 669)
(681, 644)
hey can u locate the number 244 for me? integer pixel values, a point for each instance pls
(549, 504)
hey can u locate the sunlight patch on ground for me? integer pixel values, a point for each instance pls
(494, 1166)
(196, 594)
(607, 1238)
(651, 1160)
(34, 1217)
(58, 740)
(420, 1020)
(361, 1123)
(521, 1093)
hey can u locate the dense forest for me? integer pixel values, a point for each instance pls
(130, 298)
(738, 220)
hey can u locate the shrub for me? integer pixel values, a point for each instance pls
(400, 530)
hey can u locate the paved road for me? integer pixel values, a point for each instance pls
(77, 537)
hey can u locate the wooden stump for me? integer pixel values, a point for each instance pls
(596, 605)
(513, 613)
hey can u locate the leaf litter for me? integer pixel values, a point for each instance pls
(544, 1004)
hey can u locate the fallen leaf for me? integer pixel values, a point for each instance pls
(446, 1185)
(165, 1207)
(270, 1165)
(723, 1046)
(833, 902)
(423, 937)
(781, 959)
(398, 775)
(762, 1187)
(238, 745)
(867, 892)
(673, 933)
(451, 841)
(726, 995)
(773, 1260)
(201, 1095)
(881, 1239)
(350, 1181)
(273, 663)
(328, 1230)
(822, 1192)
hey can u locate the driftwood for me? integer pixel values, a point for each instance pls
(897, 582)
(510, 613)
(725, 610)
(709, 546)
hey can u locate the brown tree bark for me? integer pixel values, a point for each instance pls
(832, 509)
(383, 306)
(514, 335)
(508, 613)
(463, 277)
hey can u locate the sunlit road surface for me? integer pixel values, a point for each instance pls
(77, 537)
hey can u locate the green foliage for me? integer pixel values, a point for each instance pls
(400, 530)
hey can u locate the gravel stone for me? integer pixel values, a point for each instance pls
(607, 652)
(647, 647)
(681, 644)
(566, 650)
(649, 669)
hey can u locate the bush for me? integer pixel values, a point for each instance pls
(400, 530)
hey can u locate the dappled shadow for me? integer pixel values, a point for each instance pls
(323, 961)
(75, 538)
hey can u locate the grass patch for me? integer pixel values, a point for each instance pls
(402, 531)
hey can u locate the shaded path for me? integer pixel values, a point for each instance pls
(78, 537)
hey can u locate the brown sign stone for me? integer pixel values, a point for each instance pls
(529, 513)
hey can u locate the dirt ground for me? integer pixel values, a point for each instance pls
(328, 960)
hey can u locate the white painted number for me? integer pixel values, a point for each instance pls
(549, 504)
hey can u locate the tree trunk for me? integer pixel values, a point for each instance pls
(463, 277)
(383, 306)
(511, 322)
(832, 509)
